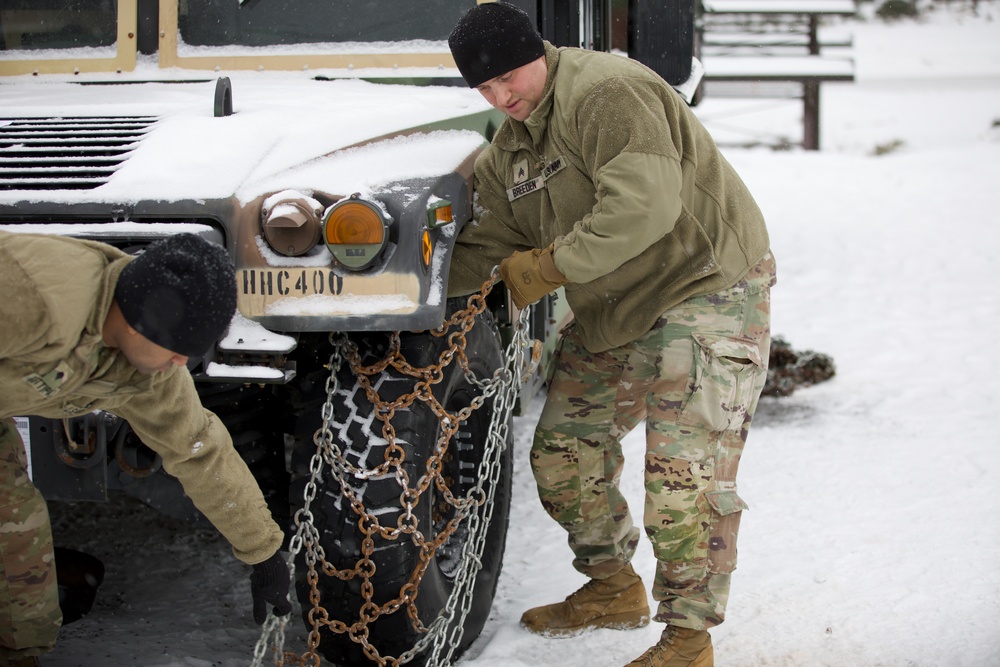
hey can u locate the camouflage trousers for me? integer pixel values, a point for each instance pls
(29, 594)
(695, 379)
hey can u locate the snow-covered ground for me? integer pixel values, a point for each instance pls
(872, 538)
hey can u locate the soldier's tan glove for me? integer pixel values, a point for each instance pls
(530, 275)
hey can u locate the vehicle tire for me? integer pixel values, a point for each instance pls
(359, 434)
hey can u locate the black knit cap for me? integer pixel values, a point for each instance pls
(492, 39)
(179, 293)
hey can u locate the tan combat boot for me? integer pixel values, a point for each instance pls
(30, 661)
(679, 647)
(616, 602)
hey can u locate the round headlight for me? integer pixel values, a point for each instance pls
(355, 231)
(290, 222)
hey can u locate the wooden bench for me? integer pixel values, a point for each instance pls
(805, 14)
(752, 48)
(770, 43)
(809, 71)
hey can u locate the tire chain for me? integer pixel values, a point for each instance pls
(444, 634)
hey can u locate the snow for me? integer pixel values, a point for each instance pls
(344, 304)
(109, 229)
(781, 6)
(777, 66)
(420, 46)
(872, 536)
(191, 154)
(249, 336)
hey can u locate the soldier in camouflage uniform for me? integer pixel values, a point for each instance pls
(601, 180)
(85, 327)
(26, 544)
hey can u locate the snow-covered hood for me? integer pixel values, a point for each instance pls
(283, 132)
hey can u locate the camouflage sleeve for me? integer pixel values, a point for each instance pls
(198, 451)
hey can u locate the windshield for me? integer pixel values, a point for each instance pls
(286, 22)
(34, 25)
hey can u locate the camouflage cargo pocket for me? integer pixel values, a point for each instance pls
(727, 510)
(726, 370)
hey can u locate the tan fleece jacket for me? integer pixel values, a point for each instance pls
(615, 171)
(54, 363)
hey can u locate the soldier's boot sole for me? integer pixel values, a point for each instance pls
(613, 622)
(680, 653)
(626, 610)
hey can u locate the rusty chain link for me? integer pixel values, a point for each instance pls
(443, 635)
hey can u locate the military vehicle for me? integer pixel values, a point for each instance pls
(329, 148)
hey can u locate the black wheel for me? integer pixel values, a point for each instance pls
(360, 436)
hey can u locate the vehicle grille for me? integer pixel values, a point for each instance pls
(65, 153)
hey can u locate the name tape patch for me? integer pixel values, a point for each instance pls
(526, 188)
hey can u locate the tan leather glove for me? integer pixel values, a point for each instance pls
(530, 275)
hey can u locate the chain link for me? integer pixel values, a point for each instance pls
(443, 636)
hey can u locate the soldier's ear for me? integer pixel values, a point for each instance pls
(115, 326)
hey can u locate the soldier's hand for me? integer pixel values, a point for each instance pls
(530, 275)
(269, 583)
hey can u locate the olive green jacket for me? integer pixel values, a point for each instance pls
(616, 172)
(54, 363)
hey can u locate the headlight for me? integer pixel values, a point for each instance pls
(355, 231)
(290, 222)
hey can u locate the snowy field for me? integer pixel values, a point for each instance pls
(872, 539)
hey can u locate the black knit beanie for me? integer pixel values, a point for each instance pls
(179, 293)
(492, 39)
